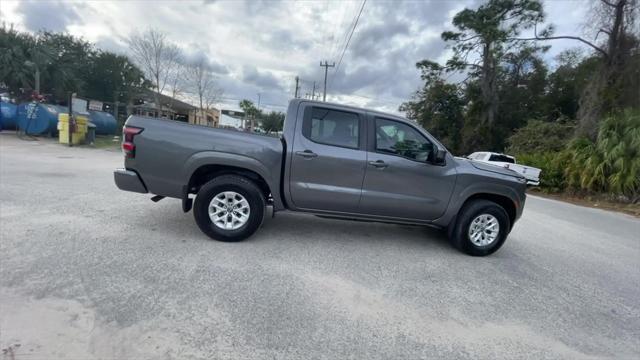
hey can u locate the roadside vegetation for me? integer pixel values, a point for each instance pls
(610, 164)
(65, 64)
(577, 119)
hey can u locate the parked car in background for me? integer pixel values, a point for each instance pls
(508, 162)
(332, 160)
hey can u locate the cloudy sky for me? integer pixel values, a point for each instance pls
(258, 47)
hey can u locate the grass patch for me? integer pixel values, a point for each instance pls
(106, 142)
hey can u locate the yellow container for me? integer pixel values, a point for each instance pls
(80, 131)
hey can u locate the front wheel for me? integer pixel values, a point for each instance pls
(229, 208)
(481, 228)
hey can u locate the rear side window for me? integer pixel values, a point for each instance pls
(502, 158)
(333, 127)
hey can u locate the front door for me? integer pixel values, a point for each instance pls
(328, 160)
(400, 181)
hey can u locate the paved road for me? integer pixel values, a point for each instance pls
(88, 271)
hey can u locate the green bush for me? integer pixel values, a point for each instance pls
(552, 166)
(540, 137)
(610, 165)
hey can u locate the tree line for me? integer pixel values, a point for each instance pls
(61, 64)
(67, 64)
(578, 121)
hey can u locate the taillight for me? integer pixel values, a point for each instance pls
(128, 147)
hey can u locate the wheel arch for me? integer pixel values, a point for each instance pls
(204, 166)
(504, 201)
(207, 172)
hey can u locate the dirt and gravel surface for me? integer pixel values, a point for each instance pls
(88, 271)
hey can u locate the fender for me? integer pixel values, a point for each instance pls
(202, 158)
(465, 191)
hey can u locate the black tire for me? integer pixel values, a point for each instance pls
(240, 185)
(459, 233)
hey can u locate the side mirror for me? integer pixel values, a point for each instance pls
(439, 156)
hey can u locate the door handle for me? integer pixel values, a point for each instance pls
(378, 163)
(306, 154)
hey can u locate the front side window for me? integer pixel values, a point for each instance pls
(332, 127)
(400, 139)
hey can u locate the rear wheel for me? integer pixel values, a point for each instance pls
(481, 228)
(229, 208)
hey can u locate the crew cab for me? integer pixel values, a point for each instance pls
(332, 160)
(509, 162)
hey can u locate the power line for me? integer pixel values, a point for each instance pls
(349, 39)
(337, 39)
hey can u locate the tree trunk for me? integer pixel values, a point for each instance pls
(488, 86)
(600, 96)
(202, 108)
(115, 107)
(156, 98)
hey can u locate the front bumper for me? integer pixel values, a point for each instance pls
(129, 180)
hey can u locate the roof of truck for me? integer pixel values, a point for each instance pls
(388, 115)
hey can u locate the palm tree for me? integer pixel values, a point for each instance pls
(612, 163)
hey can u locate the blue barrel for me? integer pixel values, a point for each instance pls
(39, 119)
(8, 115)
(105, 122)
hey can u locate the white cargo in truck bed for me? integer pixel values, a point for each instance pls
(509, 162)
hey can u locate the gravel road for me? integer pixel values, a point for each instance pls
(88, 271)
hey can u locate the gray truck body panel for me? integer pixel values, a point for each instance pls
(335, 181)
(169, 152)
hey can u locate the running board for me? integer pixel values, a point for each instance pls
(157, 198)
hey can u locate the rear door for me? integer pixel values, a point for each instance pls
(328, 160)
(400, 181)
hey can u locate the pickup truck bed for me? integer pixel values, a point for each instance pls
(169, 152)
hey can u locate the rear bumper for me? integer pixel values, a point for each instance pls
(129, 180)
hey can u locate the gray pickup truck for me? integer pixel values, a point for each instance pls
(332, 160)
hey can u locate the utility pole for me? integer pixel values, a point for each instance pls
(71, 120)
(37, 80)
(297, 87)
(253, 121)
(313, 92)
(326, 68)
